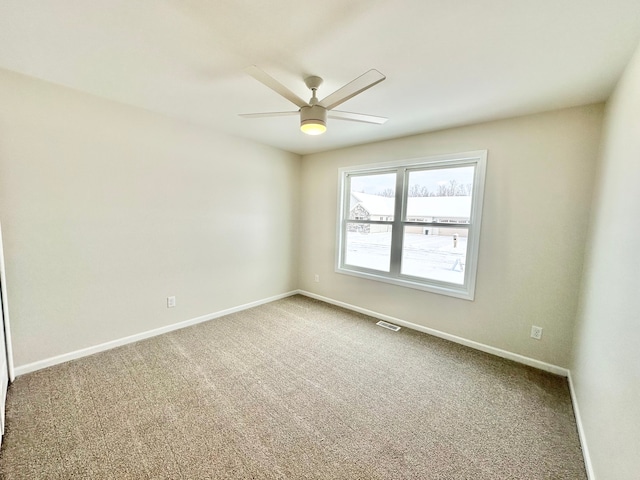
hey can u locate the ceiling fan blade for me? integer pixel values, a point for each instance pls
(356, 117)
(353, 88)
(268, 114)
(275, 85)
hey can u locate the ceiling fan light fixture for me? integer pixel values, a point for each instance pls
(313, 120)
(313, 127)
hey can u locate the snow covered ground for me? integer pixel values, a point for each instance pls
(425, 256)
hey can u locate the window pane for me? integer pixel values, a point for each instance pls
(440, 195)
(435, 253)
(372, 197)
(368, 246)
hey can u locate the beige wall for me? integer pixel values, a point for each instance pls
(106, 210)
(606, 364)
(540, 173)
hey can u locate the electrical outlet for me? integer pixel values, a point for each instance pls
(171, 302)
(316, 278)
(536, 332)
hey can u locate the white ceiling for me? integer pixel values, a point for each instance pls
(447, 63)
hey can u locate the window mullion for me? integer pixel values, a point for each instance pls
(397, 229)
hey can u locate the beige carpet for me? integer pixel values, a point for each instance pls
(292, 389)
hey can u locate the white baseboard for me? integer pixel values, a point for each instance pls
(532, 362)
(48, 362)
(581, 434)
(40, 364)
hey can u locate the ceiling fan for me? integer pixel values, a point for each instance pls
(314, 113)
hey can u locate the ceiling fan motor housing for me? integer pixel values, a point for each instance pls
(313, 115)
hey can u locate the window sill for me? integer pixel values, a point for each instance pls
(448, 289)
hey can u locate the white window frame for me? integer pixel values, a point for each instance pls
(478, 159)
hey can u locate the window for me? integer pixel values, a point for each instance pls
(413, 223)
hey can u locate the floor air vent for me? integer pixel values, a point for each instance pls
(390, 326)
